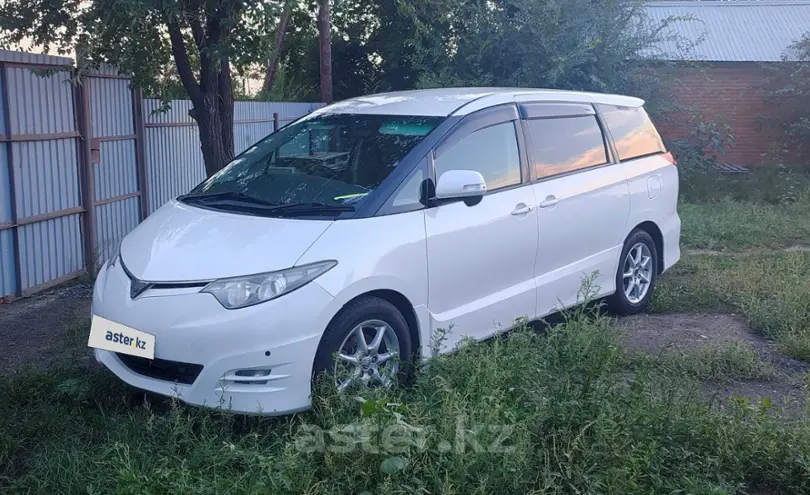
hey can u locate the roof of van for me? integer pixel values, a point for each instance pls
(461, 101)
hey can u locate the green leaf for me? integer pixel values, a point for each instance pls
(392, 465)
(368, 408)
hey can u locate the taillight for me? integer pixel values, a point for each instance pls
(668, 156)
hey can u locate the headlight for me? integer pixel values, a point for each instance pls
(240, 292)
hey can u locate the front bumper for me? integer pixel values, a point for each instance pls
(281, 336)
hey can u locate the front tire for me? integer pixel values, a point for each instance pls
(636, 274)
(367, 344)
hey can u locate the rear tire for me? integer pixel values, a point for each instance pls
(382, 357)
(635, 275)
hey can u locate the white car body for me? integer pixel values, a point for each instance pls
(522, 252)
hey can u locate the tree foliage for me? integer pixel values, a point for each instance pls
(164, 44)
(193, 46)
(793, 95)
(389, 45)
(575, 44)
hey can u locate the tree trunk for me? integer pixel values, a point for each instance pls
(212, 96)
(215, 154)
(275, 57)
(226, 104)
(325, 32)
(214, 117)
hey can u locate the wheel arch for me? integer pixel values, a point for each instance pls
(403, 305)
(652, 228)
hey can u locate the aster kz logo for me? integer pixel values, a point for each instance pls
(120, 338)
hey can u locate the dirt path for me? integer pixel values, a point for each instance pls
(34, 330)
(682, 333)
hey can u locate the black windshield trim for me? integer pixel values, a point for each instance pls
(284, 211)
(246, 209)
(313, 207)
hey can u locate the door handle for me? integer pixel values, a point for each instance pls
(521, 209)
(550, 201)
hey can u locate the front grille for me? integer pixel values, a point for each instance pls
(162, 369)
(138, 287)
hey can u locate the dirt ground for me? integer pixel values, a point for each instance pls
(32, 330)
(655, 334)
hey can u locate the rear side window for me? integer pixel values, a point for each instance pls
(633, 132)
(561, 145)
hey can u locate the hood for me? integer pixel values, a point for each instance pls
(179, 242)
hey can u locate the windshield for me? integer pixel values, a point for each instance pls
(328, 162)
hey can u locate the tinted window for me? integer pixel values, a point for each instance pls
(333, 159)
(632, 131)
(492, 151)
(565, 144)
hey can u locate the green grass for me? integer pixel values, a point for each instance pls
(768, 208)
(731, 361)
(736, 226)
(748, 217)
(572, 411)
(685, 288)
(771, 290)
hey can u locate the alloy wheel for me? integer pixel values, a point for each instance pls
(368, 356)
(637, 273)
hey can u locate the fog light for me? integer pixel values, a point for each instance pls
(252, 373)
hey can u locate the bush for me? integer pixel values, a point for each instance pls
(701, 181)
(792, 97)
(697, 156)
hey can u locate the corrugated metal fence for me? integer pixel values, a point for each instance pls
(41, 204)
(82, 165)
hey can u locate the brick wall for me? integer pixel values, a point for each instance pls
(733, 93)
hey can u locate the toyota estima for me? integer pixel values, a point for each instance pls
(342, 242)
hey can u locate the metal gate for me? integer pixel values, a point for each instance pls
(72, 175)
(113, 122)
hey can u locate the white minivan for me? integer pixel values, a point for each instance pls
(345, 240)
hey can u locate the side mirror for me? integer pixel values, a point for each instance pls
(455, 184)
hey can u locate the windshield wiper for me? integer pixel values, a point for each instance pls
(310, 209)
(226, 196)
(242, 201)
